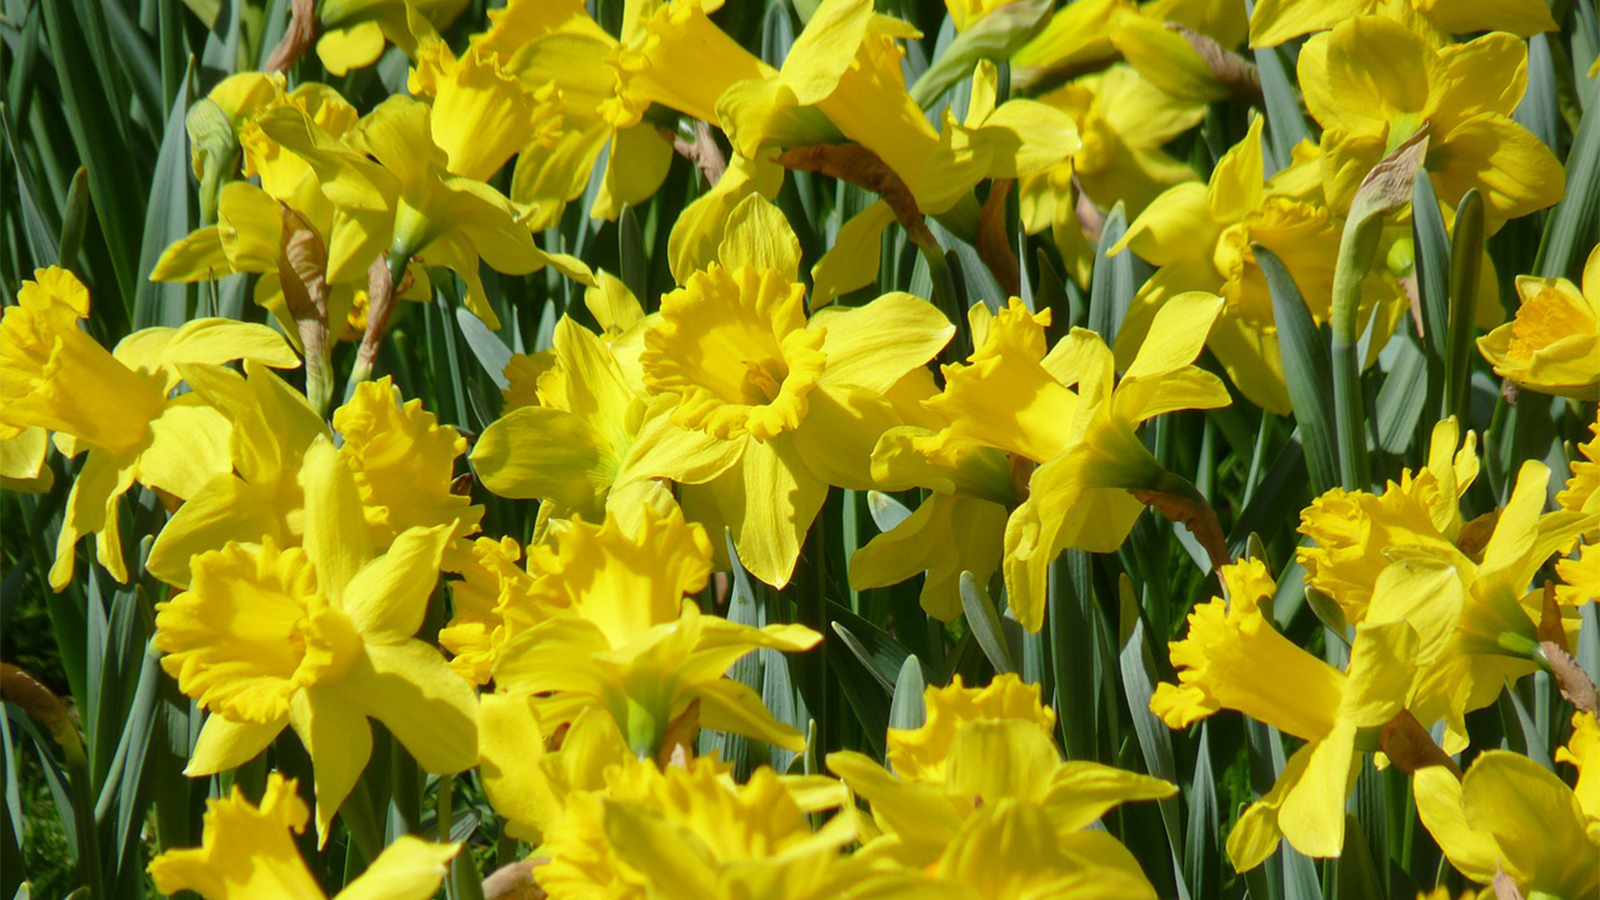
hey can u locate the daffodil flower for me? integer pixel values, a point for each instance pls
(1553, 344)
(481, 114)
(354, 32)
(556, 46)
(24, 455)
(1509, 814)
(1472, 637)
(1065, 412)
(795, 403)
(402, 459)
(1124, 121)
(690, 831)
(319, 639)
(493, 601)
(841, 77)
(1201, 237)
(960, 525)
(1233, 658)
(1465, 93)
(115, 405)
(586, 444)
(1275, 21)
(248, 853)
(1580, 577)
(1583, 752)
(984, 765)
(408, 202)
(617, 633)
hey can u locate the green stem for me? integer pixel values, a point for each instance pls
(1466, 257)
(1357, 248)
(86, 827)
(442, 803)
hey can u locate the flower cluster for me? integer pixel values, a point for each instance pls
(652, 609)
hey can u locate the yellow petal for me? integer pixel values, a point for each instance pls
(339, 740)
(852, 262)
(758, 235)
(224, 744)
(336, 528)
(408, 869)
(431, 710)
(639, 162)
(769, 501)
(388, 597)
(874, 346)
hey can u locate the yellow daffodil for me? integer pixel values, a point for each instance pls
(556, 47)
(1275, 21)
(115, 405)
(318, 639)
(617, 633)
(1580, 577)
(1233, 658)
(402, 459)
(841, 77)
(984, 764)
(960, 525)
(1582, 491)
(1553, 344)
(586, 444)
(1509, 814)
(1465, 93)
(256, 228)
(408, 202)
(1065, 412)
(1352, 531)
(1123, 121)
(248, 853)
(1483, 628)
(690, 831)
(795, 403)
(1201, 238)
(493, 602)
(354, 32)
(531, 785)
(1583, 752)
(481, 114)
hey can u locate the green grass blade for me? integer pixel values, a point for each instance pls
(1570, 229)
(1307, 369)
(169, 217)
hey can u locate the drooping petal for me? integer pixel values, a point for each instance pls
(432, 711)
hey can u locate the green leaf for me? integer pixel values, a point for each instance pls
(993, 37)
(1286, 124)
(1401, 400)
(985, 624)
(95, 121)
(168, 218)
(1356, 873)
(1431, 265)
(36, 228)
(907, 709)
(486, 346)
(75, 218)
(1466, 261)
(1202, 848)
(1307, 369)
(1155, 739)
(1115, 279)
(1570, 228)
(631, 252)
